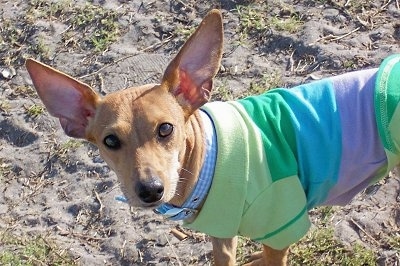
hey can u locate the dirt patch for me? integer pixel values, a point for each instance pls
(62, 190)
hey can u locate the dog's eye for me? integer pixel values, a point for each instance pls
(165, 130)
(112, 142)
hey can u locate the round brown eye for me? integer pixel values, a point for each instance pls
(165, 130)
(112, 142)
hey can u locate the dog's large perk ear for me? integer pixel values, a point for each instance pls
(66, 98)
(190, 74)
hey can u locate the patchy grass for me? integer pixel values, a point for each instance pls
(184, 32)
(252, 22)
(31, 250)
(5, 106)
(245, 249)
(251, 19)
(23, 91)
(320, 247)
(13, 40)
(70, 145)
(290, 24)
(267, 82)
(60, 151)
(255, 21)
(89, 27)
(41, 48)
(362, 8)
(394, 241)
(260, 85)
(34, 110)
(222, 93)
(100, 25)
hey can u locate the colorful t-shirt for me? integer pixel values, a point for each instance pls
(286, 151)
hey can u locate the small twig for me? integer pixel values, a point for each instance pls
(123, 249)
(363, 22)
(347, 34)
(336, 38)
(87, 237)
(173, 250)
(166, 40)
(52, 249)
(385, 5)
(365, 232)
(61, 33)
(64, 232)
(382, 8)
(140, 255)
(99, 200)
(61, 231)
(178, 234)
(291, 61)
(104, 67)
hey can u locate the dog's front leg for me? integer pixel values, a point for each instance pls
(224, 251)
(276, 257)
(269, 257)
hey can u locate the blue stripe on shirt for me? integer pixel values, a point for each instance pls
(318, 136)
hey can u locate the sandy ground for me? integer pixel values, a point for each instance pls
(61, 188)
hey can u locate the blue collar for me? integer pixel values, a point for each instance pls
(200, 191)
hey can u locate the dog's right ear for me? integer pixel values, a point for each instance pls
(66, 98)
(190, 74)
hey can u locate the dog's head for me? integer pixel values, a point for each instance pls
(143, 133)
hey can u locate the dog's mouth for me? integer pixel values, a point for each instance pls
(149, 205)
(152, 204)
(146, 194)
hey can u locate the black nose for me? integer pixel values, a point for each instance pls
(150, 190)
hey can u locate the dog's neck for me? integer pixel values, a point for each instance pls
(191, 159)
(197, 171)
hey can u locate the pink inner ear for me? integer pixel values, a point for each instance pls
(69, 106)
(200, 57)
(186, 87)
(190, 74)
(194, 94)
(67, 100)
(62, 101)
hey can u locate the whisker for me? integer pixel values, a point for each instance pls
(183, 179)
(187, 171)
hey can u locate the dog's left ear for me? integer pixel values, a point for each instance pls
(66, 98)
(190, 74)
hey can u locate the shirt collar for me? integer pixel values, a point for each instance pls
(200, 191)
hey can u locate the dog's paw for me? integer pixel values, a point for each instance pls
(256, 259)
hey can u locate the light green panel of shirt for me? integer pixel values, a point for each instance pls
(278, 217)
(387, 109)
(244, 198)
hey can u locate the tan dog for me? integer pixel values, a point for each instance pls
(153, 136)
(155, 152)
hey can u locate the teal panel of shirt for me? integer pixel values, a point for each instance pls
(301, 127)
